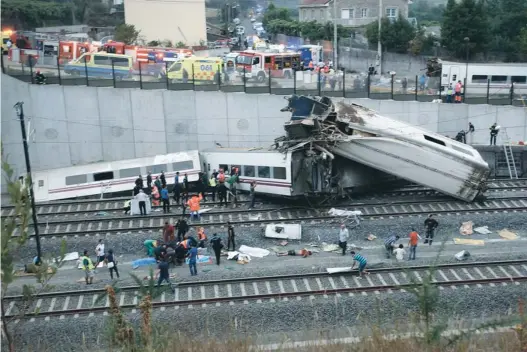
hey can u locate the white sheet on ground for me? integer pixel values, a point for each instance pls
(341, 212)
(484, 230)
(201, 211)
(254, 251)
(284, 231)
(339, 270)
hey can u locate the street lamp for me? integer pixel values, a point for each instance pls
(19, 108)
(467, 42)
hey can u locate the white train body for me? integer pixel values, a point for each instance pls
(501, 76)
(113, 176)
(411, 153)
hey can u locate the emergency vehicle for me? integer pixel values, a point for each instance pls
(147, 54)
(6, 37)
(310, 53)
(72, 50)
(257, 65)
(199, 69)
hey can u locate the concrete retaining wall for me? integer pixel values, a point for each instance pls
(78, 125)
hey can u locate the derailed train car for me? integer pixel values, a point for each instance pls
(412, 153)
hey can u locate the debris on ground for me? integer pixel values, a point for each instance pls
(101, 213)
(284, 231)
(342, 212)
(254, 251)
(469, 242)
(466, 228)
(371, 237)
(202, 259)
(353, 246)
(463, 255)
(508, 235)
(283, 243)
(330, 247)
(484, 230)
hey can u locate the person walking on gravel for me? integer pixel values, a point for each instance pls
(164, 275)
(343, 238)
(111, 263)
(412, 243)
(357, 258)
(389, 245)
(215, 241)
(192, 259)
(88, 267)
(230, 237)
(431, 224)
(99, 252)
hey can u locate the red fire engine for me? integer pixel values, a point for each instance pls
(257, 65)
(71, 50)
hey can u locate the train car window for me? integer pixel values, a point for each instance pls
(461, 150)
(264, 172)
(479, 78)
(208, 167)
(239, 167)
(157, 169)
(182, 165)
(519, 79)
(499, 79)
(279, 173)
(224, 167)
(248, 171)
(75, 180)
(103, 176)
(132, 172)
(41, 183)
(434, 140)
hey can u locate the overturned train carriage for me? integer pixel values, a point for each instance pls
(355, 133)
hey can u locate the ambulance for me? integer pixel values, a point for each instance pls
(199, 69)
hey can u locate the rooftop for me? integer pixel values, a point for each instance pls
(313, 2)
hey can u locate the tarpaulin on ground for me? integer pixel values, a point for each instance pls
(341, 212)
(466, 228)
(143, 262)
(202, 259)
(254, 251)
(469, 242)
(508, 235)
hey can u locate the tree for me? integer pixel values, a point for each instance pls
(27, 14)
(395, 36)
(19, 223)
(181, 45)
(275, 13)
(126, 33)
(522, 41)
(466, 19)
(425, 12)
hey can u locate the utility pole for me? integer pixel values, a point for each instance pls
(19, 107)
(379, 45)
(335, 36)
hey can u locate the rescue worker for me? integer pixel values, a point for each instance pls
(212, 187)
(168, 233)
(233, 180)
(192, 259)
(194, 206)
(142, 198)
(457, 90)
(404, 85)
(136, 190)
(150, 245)
(180, 254)
(203, 184)
(389, 245)
(310, 65)
(139, 182)
(165, 198)
(177, 188)
(215, 241)
(182, 228)
(343, 238)
(461, 137)
(252, 192)
(230, 237)
(202, 237)
(40, 78)
(127, 206)
(449, 93)
(163, 179)
(149, 182)
(160, 252)
(222, 193)
(185, 182)
(431, 224)
(157, 184)
(88, 267)
(163, 272)
(494, 129)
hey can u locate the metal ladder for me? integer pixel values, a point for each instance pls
(509, 156)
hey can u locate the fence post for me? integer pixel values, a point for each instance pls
(140, 76)
(294, 81)
(193, 82)
(319, 83)
(58, 71)
(269, 80)
(113, 74)
(465, 90)
(86, 72)
(31, 69)
(219, 77)
(488, 90)
(2, 59)
(244, 79)
(416, 87)
(166, 75)
(512, 93)
(439, 90)
(343, 83)
(368, 83)
(391, 90)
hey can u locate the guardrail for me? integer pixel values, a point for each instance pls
(281, 82)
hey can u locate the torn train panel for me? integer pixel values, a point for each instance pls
(395, 147)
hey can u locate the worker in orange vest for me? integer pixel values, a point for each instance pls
(194, 206)
(311, 65)
(202, 237)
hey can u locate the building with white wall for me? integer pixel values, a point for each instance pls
(175, 20)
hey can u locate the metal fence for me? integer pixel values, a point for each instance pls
(338, 84)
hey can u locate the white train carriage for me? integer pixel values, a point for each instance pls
(494, 79)
(114, 176)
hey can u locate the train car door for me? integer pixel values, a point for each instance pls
(40, 187)
(454, 75)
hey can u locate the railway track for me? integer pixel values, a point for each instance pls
(70, 207)
(270, 289)
(241, 217)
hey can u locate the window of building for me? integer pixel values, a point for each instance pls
(249, 171)
(134, 171)
(157, 169)
(75, 180)
(498, 79)
(264, 172)
(321, 15)
(103, 176)
(519, 79)
(183, 165)
(279, 173)
(346, 14)
(304, 13)
(434, 140)
(313, 14)
(364, 13)
(479, 78)
(391, 12)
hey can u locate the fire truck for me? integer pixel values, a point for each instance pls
(254, 65)
(72, 50)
